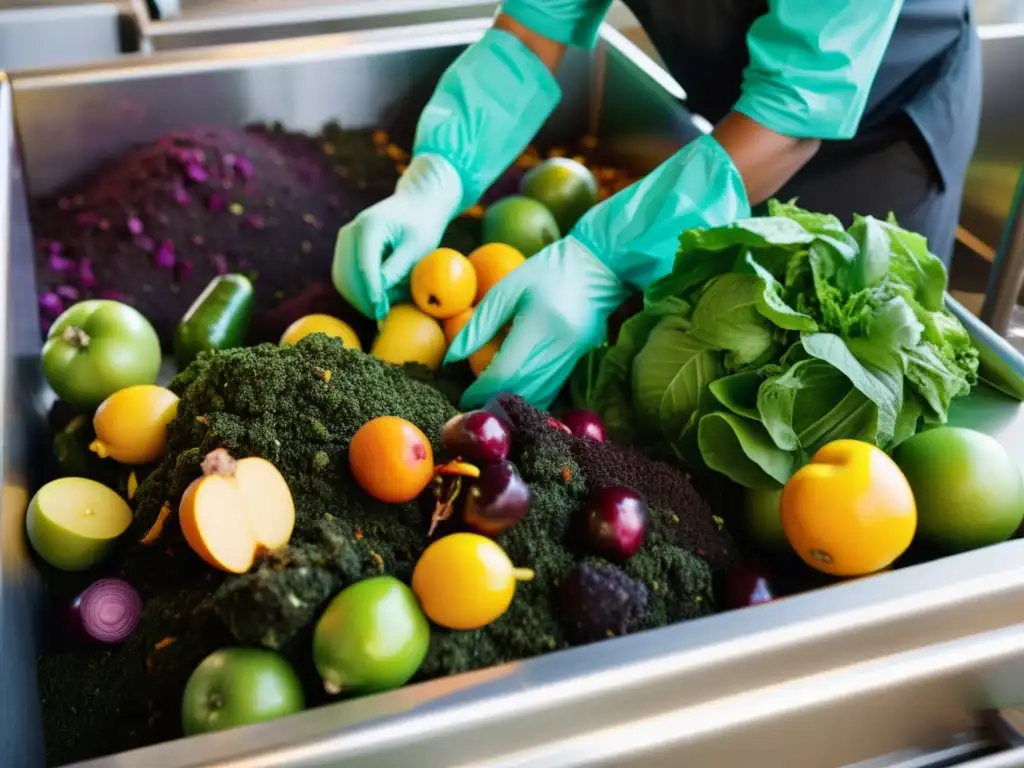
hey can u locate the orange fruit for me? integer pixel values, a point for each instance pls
(465, 581)
(391, 459)
(480, 359)
(491, 263)
(443, 283)
(850, 511)
(453, 325)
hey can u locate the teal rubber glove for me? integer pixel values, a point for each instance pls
(408, 225)
(570, 22)
(812, 65)
(559, 301)
(486, 108)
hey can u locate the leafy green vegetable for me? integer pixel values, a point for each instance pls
(773, 336)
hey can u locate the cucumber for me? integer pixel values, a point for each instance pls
(218, 319)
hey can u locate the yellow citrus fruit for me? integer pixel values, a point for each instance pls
(465, 581)
(131, 424)
(408, 335)
(850, 511)
(491, 263)
(443, 283)
(331, 326)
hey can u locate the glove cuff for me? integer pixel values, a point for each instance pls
(434, 182)
(635, 232)
(487, 107)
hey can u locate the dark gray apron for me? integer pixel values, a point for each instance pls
(919, 130)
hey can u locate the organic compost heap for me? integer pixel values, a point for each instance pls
(279, 403)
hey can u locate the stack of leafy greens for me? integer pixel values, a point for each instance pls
(773, 336)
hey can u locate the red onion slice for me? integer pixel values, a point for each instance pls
(107, 612)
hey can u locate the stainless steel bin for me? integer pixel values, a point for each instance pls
(174, 24)
(50, 33)
(880, 665)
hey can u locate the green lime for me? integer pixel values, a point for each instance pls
(762, 519)
(969, 490)
(568, 189)
(521, 222)
(372, 637)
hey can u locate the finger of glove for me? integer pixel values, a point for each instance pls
(523, 364)
(345, 273)
(399, 264)
(369, 243)
(490, 316)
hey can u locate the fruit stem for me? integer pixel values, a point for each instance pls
(445, 507)
(522, 574)
(76, 337)
(458, 467)
(219, 462)
(98, 447)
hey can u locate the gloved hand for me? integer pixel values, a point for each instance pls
(408, 225)
(487, 107)
(559, 301)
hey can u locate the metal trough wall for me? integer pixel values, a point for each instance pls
(177, 25)
(835, 676)
(50, 33)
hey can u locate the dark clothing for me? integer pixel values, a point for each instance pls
(919, 129)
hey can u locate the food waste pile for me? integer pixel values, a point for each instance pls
(306, 485)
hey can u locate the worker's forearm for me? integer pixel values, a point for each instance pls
(765, 159)
(544, 48)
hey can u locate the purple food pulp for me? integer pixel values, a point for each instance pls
(615, 521)
(156, 224)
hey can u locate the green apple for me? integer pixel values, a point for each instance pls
(372, 637)
(239, 686)
(73, 522)
(98, 347)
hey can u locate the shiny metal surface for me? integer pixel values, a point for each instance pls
(835, 677)
(997, 162)
(999, 11)
(1007, 275)
(191, 23)
(21, 737)
(48, 34)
